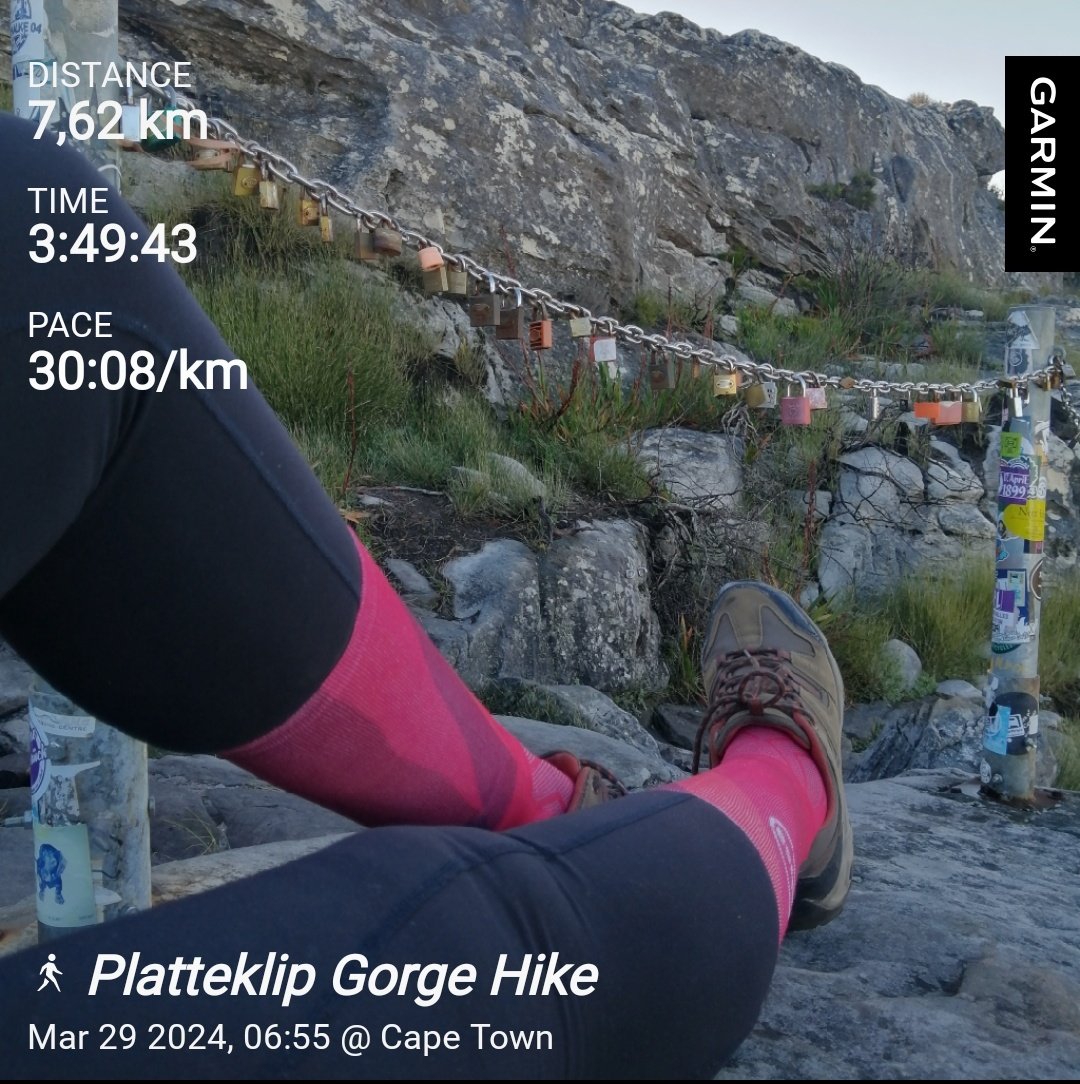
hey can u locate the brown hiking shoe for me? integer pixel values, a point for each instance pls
(765, 663)
(593, 785)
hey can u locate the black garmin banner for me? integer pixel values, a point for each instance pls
(1042, 141)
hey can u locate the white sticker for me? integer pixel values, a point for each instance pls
(63, 726)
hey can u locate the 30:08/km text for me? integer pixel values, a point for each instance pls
(115, 370)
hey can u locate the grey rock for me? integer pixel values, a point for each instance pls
(728, 324)
(412, 583)
(581, 612)
(16, 860)
(15, 678)
(952, 482)
(677, 723)
(202, 804)
(963, 689)
(971, 981)
(700, 469)
(633, 768)
(809, 594)
(862, 722)
(964, 521)
(749, 294)
(568, 705)
(799, 501)
(877, 463)
(906, 660)
(505, 470)
(672, 143)
(15, 735)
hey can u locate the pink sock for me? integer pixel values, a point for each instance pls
(393, 736)
(770, 787)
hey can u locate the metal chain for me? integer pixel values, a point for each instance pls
(286, 171)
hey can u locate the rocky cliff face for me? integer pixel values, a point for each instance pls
(603, 150)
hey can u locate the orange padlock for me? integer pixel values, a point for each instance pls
(795, 409)
(431, 258)
(927, 408)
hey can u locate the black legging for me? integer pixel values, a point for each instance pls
(170, 562)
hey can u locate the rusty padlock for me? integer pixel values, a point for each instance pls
(214, 154)
(540, 330)
(308, 210)
(386, 241)
(364, 248)
(512, 320)
(795, 409)
(663, 375)
(816, 394)
(484, 308)
(246, 179)
(762, 396)
(725, 382)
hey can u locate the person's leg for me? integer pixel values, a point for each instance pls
(170, 562)
(662, 894)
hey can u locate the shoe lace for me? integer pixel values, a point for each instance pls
(745, 680)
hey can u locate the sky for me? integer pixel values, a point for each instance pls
(949, 49)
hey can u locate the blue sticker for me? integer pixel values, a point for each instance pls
(996, 733)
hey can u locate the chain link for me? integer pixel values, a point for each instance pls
(683, 350)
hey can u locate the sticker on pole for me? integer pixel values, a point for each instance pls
(65, 880)
(1013, 478)
(1013, 623)
(1012, 725)
(63, 726)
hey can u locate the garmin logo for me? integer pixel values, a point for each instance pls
(1042, 132)
(1043, 151)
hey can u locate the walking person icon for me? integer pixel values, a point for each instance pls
(50, 971)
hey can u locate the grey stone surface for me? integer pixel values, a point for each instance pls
(963, 689)
(580, 612)
(632, 767)
(15, 678)
(504, 468)
(412, 584)
(700, 469)
(906, 659)
(956, 957)
(568, 705)
(663, 145)
(677, 723)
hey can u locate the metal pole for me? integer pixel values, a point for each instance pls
(108, 796)
(1011, 733)
(72, 32)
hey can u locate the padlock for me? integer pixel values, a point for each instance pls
(386, 241)
(816, 394)
(795, 409)
(927, 408)
(603, 350)
(431, 258)
(214, 154)
(484, 309)
(971, 409)
(364, 247)
(308, 211)
(695, 369)
(662, 373)
(326, 223)
(436, 281)
(950, 412)
(580, 327)
(246, 179)
(1016, 401)
(540, 332)
(512, 320)
(130, 120)
(875, 406)
(270, 190)
(457, 281)
(761, 396)
(725, 382)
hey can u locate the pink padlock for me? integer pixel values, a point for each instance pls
(795, 409)
(949, 412)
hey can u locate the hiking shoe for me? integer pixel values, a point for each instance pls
(593, 784)
(765, 663)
